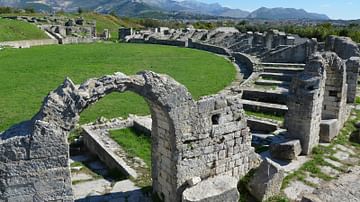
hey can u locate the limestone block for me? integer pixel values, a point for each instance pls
(267, 180)
(287, 150)
(217, 189)
(194, 181)
(328, 130)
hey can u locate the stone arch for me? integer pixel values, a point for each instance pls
(206, 138)
(43, 150)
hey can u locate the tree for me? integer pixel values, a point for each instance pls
(80, 10)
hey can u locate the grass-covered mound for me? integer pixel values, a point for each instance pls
(108, 22)
(27, 75)
(14, 30)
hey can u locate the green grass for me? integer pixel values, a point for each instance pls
(135, 144)
(321, 152)
(265, 115)
(28, 75)
(13, 30)
(357, 100)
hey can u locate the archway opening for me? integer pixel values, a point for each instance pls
(116, 155)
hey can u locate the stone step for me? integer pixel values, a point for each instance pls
(270, 64)
(277, 76)
(284, 70)
(261, 126)
(265, 96)
(264, 107)
(264, 82)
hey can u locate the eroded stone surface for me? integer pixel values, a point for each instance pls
(218, 189)
(287, 150)
(266, 181)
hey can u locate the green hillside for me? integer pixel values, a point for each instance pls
(27, 75)
(13, 30)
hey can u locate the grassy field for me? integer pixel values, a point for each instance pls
(13, 30)
(134, 143)
(27, 75)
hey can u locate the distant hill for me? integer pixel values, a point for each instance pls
(285, 13)
(140, 8)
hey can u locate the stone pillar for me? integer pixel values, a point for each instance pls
(335, 87)
(269, 38)
(305, 104)
(250, 36)
(258, 39)
(290, 40)
(352, 73)
(106, 34)
(124, 32)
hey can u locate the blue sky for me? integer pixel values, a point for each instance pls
(335, 9)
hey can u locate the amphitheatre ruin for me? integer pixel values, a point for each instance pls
(200, 149)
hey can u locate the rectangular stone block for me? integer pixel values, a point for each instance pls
(328, 130)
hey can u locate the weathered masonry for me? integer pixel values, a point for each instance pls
(318, 96)
(190, 139)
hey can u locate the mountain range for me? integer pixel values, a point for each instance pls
(134, 8)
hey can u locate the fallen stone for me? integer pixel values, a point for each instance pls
(266, 181)
(217, 189)
(286, 150)
(194, 181)
(328, 130)
(357, 125)
(355, 137)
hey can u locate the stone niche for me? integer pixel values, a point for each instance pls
(190, 139)
(334, 105)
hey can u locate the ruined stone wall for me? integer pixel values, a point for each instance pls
(352, 74)
(189, 139)
(29, 43)
(335, 95)
(347, 49)
(344, 47)
(222, 143)
(77, 40)
(209, 48)
(166, 42)
(306, 94)
(292, 54)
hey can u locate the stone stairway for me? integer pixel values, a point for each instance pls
(268, 93)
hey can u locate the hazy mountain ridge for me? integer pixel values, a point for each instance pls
(285, 13)
(139, 7)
